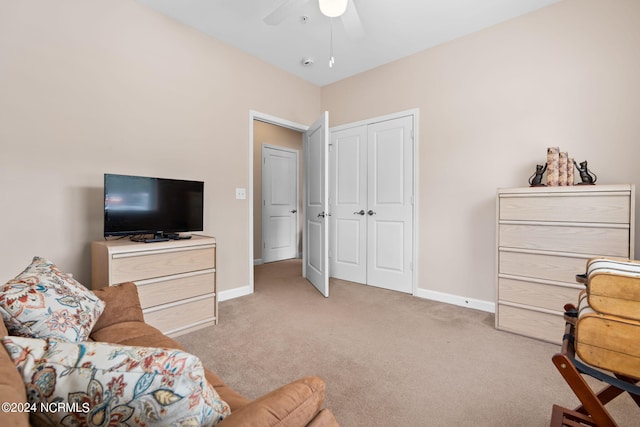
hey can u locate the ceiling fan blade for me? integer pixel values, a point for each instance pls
(283, 11)
(351, 21)
(280, 13)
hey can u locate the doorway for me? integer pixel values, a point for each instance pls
(277, 131)
(314, 137)
(277, 193)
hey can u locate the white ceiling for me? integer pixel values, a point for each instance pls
(392, 29)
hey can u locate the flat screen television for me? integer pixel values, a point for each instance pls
(139, 206)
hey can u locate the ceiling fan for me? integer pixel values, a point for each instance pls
(344, 9)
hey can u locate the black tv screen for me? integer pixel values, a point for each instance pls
(137, 205)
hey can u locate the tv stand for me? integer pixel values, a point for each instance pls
(149, 239)
(159, 237)
(176, 279)
(177, 236)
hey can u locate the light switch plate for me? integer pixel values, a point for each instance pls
(241, 193)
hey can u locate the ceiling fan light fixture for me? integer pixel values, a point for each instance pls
(332, 8)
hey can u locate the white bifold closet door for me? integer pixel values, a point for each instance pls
(372, 181)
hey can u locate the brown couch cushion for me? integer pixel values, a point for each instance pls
(134, 333)
(11, 388)
(294, 404)
(122, 305)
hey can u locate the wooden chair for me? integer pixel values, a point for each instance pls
(601, 340)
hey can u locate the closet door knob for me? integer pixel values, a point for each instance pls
(360, 212)
(293, 211)
(370, 212)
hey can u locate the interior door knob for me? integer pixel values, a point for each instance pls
(360, 212)
(321, 214)
(370, 212)
(294, 211)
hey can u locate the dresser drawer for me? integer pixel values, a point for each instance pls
(176, 317)
(535, 324)
(578, 239)
(539, 266)
(162, 291)
(536, 294)
(574, 207)
(132, 266)
(545, 236)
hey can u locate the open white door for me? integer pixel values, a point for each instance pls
(316, 205)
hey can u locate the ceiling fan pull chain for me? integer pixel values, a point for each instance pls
(331, 58)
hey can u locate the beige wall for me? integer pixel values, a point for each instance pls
(90, 87)
(490, 103)
(266, 133)
(95, 87)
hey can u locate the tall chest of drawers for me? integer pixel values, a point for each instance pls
(176, 280)
(545, 235)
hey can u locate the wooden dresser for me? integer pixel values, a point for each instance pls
(545, 235)
(176, 279)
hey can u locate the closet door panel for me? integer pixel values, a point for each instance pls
(390, 211)
(348, 200)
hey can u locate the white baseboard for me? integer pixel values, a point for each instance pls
(488, 306)
(234, 293)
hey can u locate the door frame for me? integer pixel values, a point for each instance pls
(296, 153)
(266, 118)
(415, 114)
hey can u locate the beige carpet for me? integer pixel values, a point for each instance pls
(389, 359)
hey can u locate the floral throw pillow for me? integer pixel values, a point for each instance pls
(42, 301)
(101, 384)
